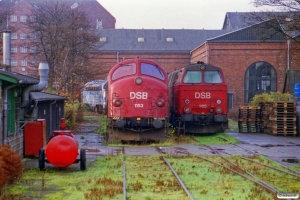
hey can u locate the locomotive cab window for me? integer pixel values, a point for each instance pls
(124, 70)
(192, 77)
(212, 77)
(151, 70)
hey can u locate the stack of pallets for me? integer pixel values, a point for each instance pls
(281, 118)
(265, 108)
(249, 119)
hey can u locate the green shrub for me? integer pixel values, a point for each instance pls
(71, 111)
(270, 97)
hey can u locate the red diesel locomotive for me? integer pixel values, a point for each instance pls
(138, 101)
(198, 99)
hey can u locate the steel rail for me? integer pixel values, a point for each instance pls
(275, 168)
(124, 177)
(176, 175)
(260, 183)
(295, 173)
(242, 169)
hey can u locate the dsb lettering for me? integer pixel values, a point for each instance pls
(138, 95)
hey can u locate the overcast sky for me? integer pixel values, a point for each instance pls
(174, 14)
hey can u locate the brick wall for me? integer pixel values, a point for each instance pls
(235, 58)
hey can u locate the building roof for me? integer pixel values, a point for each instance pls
(17, 78)
(262, 32)
(239, 20)
(153, 40)
(42, 96)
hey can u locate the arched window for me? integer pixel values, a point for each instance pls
(260, 77)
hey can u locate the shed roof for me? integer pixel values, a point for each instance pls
(154, 40)
(42, 96)
(19, 78)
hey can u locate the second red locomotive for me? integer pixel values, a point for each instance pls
(138, 101)
(198, 99)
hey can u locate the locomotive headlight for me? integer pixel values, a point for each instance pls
(202, 67)
(219, 101)
(219, 110)
(160, 103)
(117, 103)
(187, 110)
(138, 81)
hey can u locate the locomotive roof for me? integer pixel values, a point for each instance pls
(197, 66)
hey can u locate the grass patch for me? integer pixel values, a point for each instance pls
(218, 138)
(149, 178)
(54, 183)
(208, 181)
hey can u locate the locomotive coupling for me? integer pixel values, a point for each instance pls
(120, 123)
(157, 123)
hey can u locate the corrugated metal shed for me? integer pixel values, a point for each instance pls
(291, 77)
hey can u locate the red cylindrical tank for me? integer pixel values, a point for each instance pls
(62, 148)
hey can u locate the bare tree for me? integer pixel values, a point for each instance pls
(64, 38)
(285, 21)
(289, 5)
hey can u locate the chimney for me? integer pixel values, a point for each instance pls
(6, 50)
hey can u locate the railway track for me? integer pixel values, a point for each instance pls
(164, 181)
(244, 171)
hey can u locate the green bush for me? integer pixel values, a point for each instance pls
(71, 111)
(270, 97)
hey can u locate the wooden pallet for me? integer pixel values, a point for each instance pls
(249, 127)
(247, 120)
(283, 104)
(281, 132)
(282, 118)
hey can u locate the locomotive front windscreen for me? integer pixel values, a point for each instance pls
(124, 70)
(192, 77)
(212, 77)
(151, 70)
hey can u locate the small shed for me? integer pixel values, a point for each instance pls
(49, 107)
(292, 77)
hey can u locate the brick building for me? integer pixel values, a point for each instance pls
(252, 63)
(18, 12)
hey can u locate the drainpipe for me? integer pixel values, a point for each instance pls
(288, 54)
(206, 53)
(118, 57)
(51, 116)
(6, 62)
(5, 127)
